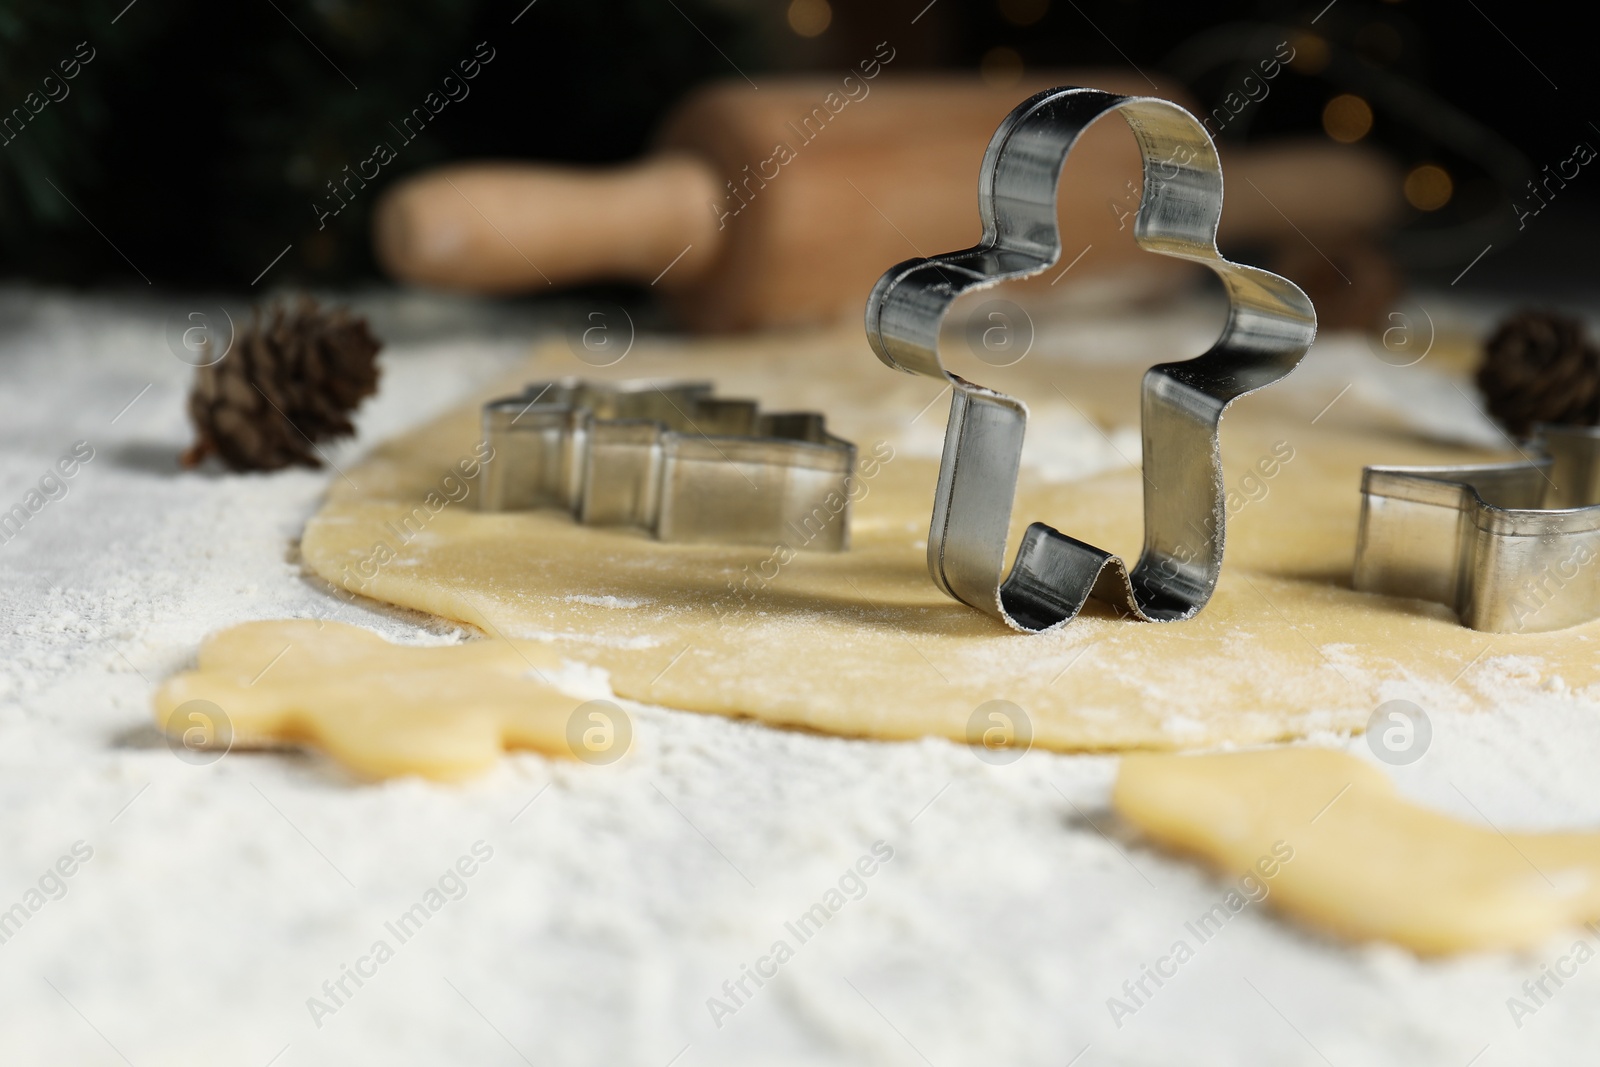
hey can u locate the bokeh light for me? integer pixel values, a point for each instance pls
(1001, 67)
(1428, 187)
(1347, 118)
(809, 18)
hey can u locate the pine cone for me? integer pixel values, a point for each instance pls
(1540, 367)
(290, 380)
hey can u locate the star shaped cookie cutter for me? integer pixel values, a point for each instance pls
(1512, 547)
(1270, 325)
(672, 458)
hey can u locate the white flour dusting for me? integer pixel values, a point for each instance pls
(217, 900)
(608, 601)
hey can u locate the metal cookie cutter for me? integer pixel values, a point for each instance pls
(671, 458)
(1270, 325)
(1507, 545)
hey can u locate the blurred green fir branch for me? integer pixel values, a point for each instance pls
(200, 137)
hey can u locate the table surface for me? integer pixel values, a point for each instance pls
(213, 911)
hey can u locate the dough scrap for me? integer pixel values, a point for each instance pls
(379, 708)
(1366, 864)
(861, 643)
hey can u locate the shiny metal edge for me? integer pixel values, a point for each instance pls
(1510, 547)
(638, 453)
(1270, 325)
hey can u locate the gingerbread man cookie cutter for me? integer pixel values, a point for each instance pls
(669, 457)
(1270, 325)
(1512, 547)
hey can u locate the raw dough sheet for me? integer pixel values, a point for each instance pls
(861, 643)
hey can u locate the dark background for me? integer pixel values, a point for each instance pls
(200, 135)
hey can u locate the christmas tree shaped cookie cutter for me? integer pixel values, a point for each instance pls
(671, 458)
(1270, 325)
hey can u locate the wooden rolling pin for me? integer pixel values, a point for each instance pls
(781, 206)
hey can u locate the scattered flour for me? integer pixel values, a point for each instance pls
(620, 898)
(619, 602)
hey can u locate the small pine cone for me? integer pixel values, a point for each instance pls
(290, 380)
(1540, 367)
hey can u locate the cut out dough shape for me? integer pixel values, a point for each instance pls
(381, 709)
(861, 643)
(1367, 864)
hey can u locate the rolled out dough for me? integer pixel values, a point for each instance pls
(1332, 843)
(861, 643)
